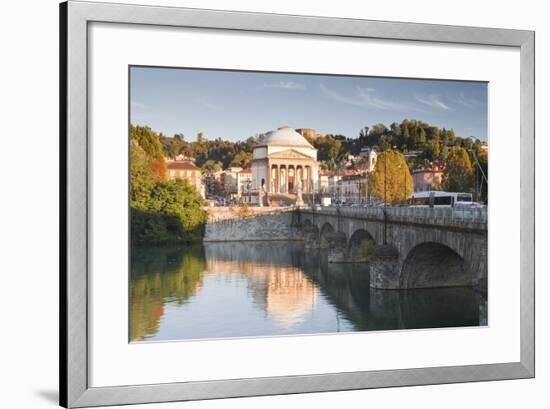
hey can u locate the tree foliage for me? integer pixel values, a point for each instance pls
(392, 167)
(161, 210)
(241, 158)
(431, 143)
(147, 140)
(203, 150)
(159, 274)
(458, 174)
(329, 149)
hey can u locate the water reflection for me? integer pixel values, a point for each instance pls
(269, 288)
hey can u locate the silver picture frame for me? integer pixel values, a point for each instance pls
(75, 17)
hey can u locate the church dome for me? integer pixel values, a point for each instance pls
(285, 136)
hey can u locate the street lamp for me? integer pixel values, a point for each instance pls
(404, 182)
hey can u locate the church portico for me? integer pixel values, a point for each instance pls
(287, 177)
(288, 161)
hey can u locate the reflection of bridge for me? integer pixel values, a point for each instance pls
(426, 247)
(277, 272)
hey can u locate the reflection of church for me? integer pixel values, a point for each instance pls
(284, 162)
(289, 297)
(285, 292)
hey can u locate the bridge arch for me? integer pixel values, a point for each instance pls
(431, 264)
(356, 242)
(325, 230)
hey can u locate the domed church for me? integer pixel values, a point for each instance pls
(284, 162)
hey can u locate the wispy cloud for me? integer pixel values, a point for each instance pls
(286, 85)
(466, 101)
(434, 101)
(365, 98)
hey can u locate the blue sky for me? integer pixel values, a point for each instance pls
(234, 105)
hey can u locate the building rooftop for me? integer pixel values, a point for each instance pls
(182, 165)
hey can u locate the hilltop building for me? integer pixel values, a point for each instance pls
(308, 133)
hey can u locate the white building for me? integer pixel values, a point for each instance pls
(244, 182)
(353, 188)
(229, 179)
(284, 160)
(369, 156)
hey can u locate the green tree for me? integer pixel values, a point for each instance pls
(181, 206)
(142, 178)
(148, 140)
(328, 149)
(161, 211)
(458, 173)
(211, 166)
(241, 159)
(391, 166)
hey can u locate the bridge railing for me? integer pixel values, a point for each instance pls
(436, 214)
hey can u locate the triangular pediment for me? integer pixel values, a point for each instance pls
(289, 154)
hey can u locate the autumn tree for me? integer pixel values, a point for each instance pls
(391, 166)
(160, 169)
(458, 174)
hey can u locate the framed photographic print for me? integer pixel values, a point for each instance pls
(258, 204)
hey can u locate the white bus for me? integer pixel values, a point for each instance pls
(433, 198)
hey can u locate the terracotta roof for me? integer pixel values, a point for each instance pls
(182, 165)
(247, 170)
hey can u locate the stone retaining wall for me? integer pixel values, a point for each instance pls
(277, 226)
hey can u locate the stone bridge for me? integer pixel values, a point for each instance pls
(406, 247)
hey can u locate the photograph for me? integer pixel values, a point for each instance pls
(271, 204)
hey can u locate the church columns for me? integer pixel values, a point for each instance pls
(277, 178)
(283, 181)
(284, 177)
(287, 181)
(291, 182)
(274, 178)
(280, 174)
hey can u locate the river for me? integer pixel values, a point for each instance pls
(247, 289)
